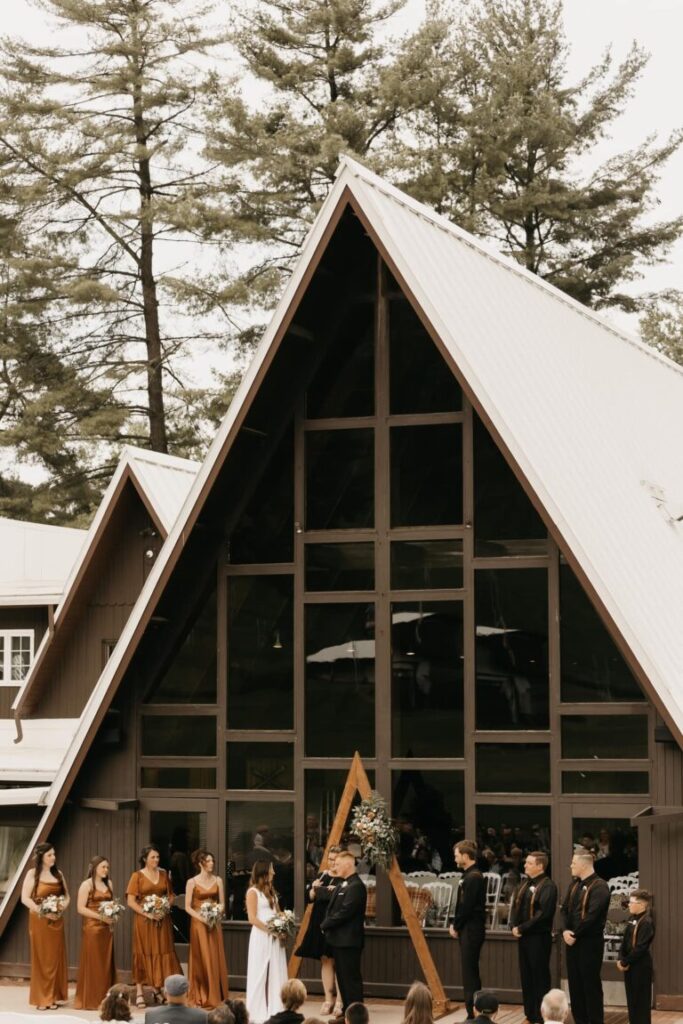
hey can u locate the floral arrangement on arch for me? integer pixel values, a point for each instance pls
(374, 830)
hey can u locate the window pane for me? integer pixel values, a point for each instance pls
(340, 479)
(17, 825)
(433, 388)
(178, 778)
(427, 679)
(265, 531)
(505, 834)
(260, 765)
(616, 736)
(505, 521)
(260, 661)
(340, 567)
(513, 768)
(258, 831)
(177, 834)
(614, 841)
(426, 475)
(429, 808)
(344, 385)
(323, 790)
(605, 782)
(511, 609)
(340, 680)
(20, 657)
(592, 669)
(190, 675)
(178, 736)
(426, 564)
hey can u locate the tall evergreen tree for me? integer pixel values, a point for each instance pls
(662, 324)
(502, 145)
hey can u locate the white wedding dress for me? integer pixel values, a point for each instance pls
(266, 967)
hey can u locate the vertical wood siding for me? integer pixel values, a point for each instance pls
(33, 617)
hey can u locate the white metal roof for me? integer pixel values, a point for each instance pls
(24, 796)
(39, 755)
(35, 561)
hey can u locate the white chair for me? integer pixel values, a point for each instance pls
(622, 884)
(441, 893)
(420, 877)
(421, 900)
(493, 885)
(454, 878)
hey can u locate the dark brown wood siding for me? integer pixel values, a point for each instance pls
(664, 844)
(26, 617)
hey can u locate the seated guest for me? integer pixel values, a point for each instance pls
(485, 1007)
(116, 1004)
(176, 1011)
(356, 1013)
(418, 1007)
(221, 1015)
(239, 1010)
(293, 995)
(555, 1007)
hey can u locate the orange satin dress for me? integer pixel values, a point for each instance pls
(154, 955)
(48, 952)
(207, 971)
(96, 971)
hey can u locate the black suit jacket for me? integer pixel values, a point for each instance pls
(344, 922)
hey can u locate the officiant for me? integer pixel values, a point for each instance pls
(343, 927)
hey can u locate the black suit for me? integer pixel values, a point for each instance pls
(344, 930)
(584, 912)
(533, 911)
(469, 921)
(635, 954)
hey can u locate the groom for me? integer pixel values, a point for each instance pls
(343, 930)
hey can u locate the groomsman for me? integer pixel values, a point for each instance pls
(584, 912)
(469, 920)
(343, 927)
(635, 959)
(533, 911)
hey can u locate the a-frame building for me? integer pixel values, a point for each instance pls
(440, 524)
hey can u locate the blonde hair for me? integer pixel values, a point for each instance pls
(293, 994)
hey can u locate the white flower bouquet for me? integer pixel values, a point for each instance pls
(52, 905)
(282, 925)
(157, 906)
(373, 828)
(211, 913)
(110, 911)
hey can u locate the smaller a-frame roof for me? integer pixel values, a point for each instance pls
(35, 561)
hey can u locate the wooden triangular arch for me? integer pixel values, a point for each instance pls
(358, 782)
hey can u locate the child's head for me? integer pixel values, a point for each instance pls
(293, 994)
(485, 1005)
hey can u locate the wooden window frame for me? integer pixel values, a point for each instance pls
(8, 635)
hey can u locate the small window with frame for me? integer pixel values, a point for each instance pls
(16, 655)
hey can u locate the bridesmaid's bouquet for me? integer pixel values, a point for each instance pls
(211, 913)
(282, 925)
(157, 906)
(110, 911)
(52, 905)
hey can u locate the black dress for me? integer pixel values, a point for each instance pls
(314, 945)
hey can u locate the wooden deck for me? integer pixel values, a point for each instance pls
(389, 1012)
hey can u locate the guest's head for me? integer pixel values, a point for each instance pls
(344, 866)
(485, 1006)
(293, 994)
(98, 870)
(465, 853)
(221, 1015)
(555, 1006)
(356, 1013)
(639, 901)
(176, 987)
(583, 863)
(203, 859)
(535, 864)
(418, 1007)
(150, 856)
(116, 1004)
(239, 1010)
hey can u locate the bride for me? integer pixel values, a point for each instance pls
(267, 960)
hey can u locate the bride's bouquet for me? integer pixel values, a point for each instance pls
(282, 925)
(110, 911)
(157, 906)
(211, 913)
(52, 905)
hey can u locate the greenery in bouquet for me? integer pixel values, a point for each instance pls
(157, 906)
(52, 905)
(282, 925)
(110, 911)
(211, 913)
(375, 831)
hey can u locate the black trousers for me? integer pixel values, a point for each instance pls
(534, 972)
(584, 962)
(347, 969)
(471, 939)
(638, 982)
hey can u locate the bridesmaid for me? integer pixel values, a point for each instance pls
(207, 971)
(48, 949)
(154, 955)
(96, 972)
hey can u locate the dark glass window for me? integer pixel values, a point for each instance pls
(429, 809)
(505, 521)
(178, 736)
(340, 567)
(17, 826)
(600, 736)
(513, 768)
(511, 609)
(265, 531)
(344, 384)
(178, 777)
(427, 679)
(340, 479)
(426, 564)
(323, 788)
(340, 680)
(605, 782)
(420, 379)
(592, 669)
(614, 841)
(506, 833)
(258, 830)
(190, 676)
(260, 660)
(260, 765)
(426, 475)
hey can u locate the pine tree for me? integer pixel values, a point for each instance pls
(662, 324)
(502, 146)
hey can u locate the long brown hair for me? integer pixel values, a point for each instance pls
(259, 880)
(92, 868)
(37, 865)
(116, 1004)
(418, 1007)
